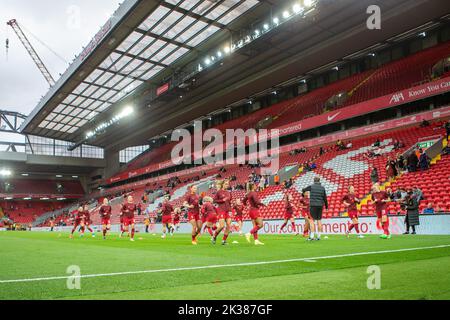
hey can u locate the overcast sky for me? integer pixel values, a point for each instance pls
(63, 25)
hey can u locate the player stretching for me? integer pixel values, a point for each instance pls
(77, 220)
(192, 204)
(350, 201)
(253, 201)
(86, 221)
(166, 211)
(128, 210)
(239, 214)
(210, 213)
(105, 214)
(289, 214)
(381, 198)
(223, 200)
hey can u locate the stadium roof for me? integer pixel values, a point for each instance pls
(149, 36)
(117, 61)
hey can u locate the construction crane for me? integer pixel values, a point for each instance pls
(26, 43)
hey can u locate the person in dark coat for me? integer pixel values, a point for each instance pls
(317, 199)
(374, 175)
(424, 161)
(412, 162)
(412, 213)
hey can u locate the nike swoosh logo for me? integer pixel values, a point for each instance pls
(334, 116)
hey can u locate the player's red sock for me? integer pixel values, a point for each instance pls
(210, 231)
(82, 230)
(225, 237)
(351, 227)
(104, 232)
(293, 226)
(73, 230)
(132, 233)
(357, 227)
(386, 228)
(214, 228)
(90, 229)
(254, 232)
(282, 227)
(194, 237)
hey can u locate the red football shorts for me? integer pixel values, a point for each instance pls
(211, 218)
(166, 219)
(106, 221)
(238, 218)
(353, 214)
(254, 213)
(193, 216)
(128, 221)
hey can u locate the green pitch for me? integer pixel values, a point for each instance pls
(119, 269)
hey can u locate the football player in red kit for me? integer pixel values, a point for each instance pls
(166, 212)
(381, 198)
(192, 204)
(77, 220)
(86, 221)
(177, 218)
(239, 214)
(223, 200)
(351, 201)
(289, 213)
(210, 213)
(128, 209)
(105, 214)
(304, 204)
(252, 200)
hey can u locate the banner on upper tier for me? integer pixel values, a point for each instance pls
(438, 224)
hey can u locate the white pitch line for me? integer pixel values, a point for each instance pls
(223, 265)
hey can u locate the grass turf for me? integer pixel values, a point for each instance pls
(421, 274)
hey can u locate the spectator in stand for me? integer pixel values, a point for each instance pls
(349, 145)
(340, 145)
(391, 169)
(401, 162)
(424, 161)
(418, 193)
(412, 162)
(424, 123)
(377, 143)
(429, 209)
(321, 151)
(412, 213)
(447, 129)
(374, 176)
(262, 183)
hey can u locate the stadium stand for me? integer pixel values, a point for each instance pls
(392, 77)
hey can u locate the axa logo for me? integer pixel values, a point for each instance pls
(396, 98)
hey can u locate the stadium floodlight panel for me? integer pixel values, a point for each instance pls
(276, 20)
(297, 8)
(308, 3)
(5, 172)
(286, 14)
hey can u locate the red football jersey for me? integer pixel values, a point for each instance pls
(377, 197)
(208, 209)
(193, 200)
(223, 199)
(128, 210)
(105, 211)
(166, 209)
(252, 199)
(350, 199)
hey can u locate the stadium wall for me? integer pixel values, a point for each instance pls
(436, 224)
